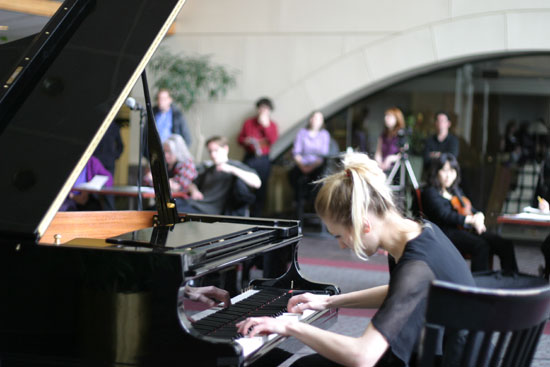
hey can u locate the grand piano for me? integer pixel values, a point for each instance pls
(110, 288)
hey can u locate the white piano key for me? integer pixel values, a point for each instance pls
(250, 345)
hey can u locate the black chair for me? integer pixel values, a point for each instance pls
(482, 326)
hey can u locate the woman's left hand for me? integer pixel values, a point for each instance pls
(391, 159)
(81, 198)
(262, 326)
(479, 223)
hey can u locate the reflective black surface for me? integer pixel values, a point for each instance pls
(61, 115)
(123, 303)
(126, 306)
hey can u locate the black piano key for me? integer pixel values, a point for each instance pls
(223, 317)
(209, 322)
(222, 324)
(203, 329)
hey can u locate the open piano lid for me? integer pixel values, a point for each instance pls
(60, 92)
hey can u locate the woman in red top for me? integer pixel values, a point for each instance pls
(257, 135)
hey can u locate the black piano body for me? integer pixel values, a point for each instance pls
(106, 288)
(95, 302)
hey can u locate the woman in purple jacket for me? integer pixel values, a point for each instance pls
(78, 200)
(311, 146)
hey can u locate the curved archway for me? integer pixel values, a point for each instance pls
(433, 46)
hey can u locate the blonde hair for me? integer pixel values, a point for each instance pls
(346, 196)
(178, 147)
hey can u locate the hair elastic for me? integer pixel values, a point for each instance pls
(348, 172)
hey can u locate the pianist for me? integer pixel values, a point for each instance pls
(358, 209)
(540, 201)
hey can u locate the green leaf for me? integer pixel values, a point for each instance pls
(190, 78)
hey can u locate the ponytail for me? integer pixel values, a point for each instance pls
(347, 196)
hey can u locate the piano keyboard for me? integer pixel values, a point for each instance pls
(220, 322)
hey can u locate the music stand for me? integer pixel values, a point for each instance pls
(403, 165)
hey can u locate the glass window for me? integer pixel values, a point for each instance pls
(499, 110)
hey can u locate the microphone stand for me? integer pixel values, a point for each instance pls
(142, 114)
(166, 205)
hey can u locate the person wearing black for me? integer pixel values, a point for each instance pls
(223, 186)
(444, 203)
(357, 206)
(540, 200)
(108, 151)
(442, 141)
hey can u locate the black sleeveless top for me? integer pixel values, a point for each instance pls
(400, 319)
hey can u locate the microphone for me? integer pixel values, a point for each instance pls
(133, 104)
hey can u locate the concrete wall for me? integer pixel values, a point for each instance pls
(322, 54)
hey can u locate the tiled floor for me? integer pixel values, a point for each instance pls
(360, 275)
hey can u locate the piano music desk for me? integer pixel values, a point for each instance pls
(130, 192)
(527, 227)
(96, 225)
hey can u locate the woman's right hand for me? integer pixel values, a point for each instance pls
(195, 193)
(389, 161)
(307, 301)
(148, 178)
(174, 185)
(544, 206)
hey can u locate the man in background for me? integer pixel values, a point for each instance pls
(169, 118)
(442, 142)
(223, 186)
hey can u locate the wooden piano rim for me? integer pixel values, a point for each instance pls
(95, 225)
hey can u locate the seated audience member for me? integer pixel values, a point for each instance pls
(108, 151)
(444, 204)
(311, 146)
(510, 143)
(110, 147)
(541, 199)
(223, 186)
(179, 164)
(78, 200)
(360, 136)
(441, 142)
(387, 147)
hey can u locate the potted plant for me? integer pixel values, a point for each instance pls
(190, 78)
